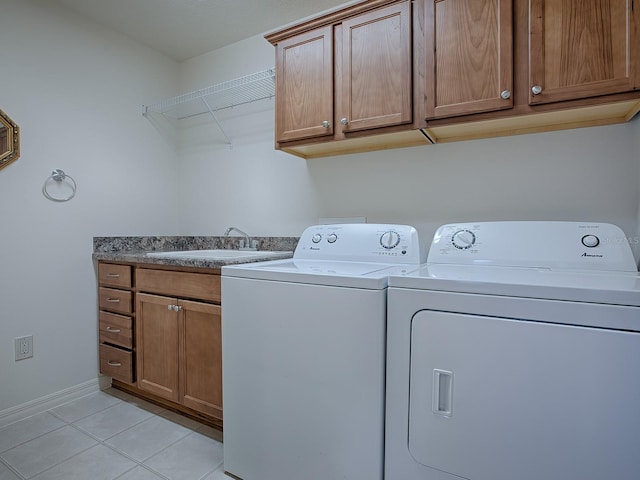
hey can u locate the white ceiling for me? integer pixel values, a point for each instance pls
(183, 29)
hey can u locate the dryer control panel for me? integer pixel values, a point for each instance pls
(362, 242)
(549, 245)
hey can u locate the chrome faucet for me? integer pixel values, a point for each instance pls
(246, 245)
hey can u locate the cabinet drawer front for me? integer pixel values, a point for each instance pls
(120, 301)
(116, 363)
(114, 275)
(202, 286)
(116, 329)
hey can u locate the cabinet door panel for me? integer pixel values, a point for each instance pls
(157, 333)
(304, 85)
(580, 48)
(376, 85)
(202, 357)
(469, 56)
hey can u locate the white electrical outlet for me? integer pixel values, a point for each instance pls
(24, 347)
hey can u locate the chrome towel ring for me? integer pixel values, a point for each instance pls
(59, 176)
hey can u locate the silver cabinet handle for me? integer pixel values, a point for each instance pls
(113, 300)
(113, 330)
(536, 89)
(505, 94)
(344, 121)
(116, 275)
(326, 124)
(114, 364)
(175, 308)
(170, 307)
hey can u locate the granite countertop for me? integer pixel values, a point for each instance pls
(135, 249)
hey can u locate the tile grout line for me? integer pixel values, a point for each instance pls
(11, 469)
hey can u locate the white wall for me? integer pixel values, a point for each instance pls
(636, 134)
(584, 175)
(76, 90)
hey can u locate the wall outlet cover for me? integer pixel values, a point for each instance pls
(24, 347)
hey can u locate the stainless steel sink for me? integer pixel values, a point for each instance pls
(217, 254)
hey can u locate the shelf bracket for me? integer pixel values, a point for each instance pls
(215, 119)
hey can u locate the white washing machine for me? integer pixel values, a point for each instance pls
(303, 354)
(514, 354)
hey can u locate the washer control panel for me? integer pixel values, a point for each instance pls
(362, 242)
(549, 245)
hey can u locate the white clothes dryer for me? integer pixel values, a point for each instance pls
(303, 354)
(514, 354)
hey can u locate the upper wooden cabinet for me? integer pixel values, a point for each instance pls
(348, 75)
(304, 85)
(504, 67)
(581, 48)
(376, 69)
(469, 56)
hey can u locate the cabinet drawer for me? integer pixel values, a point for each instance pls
(116, 363)
(201, 286)
(114, 275)
(120, 301)
(116, 329)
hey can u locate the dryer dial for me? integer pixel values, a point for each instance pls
(390, 239)
(590, 241)
(463, 239)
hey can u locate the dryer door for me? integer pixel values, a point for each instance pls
(503, 399)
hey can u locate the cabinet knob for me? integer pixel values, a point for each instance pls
(505, 94)
(111, 363)
(326, 124)
(169, 307)
(536, 89)
(113, 330)
(344, 121)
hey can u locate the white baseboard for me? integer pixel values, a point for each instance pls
(42, 404)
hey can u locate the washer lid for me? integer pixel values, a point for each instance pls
(318, 272)
(616, 288)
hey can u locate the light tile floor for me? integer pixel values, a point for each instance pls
(110, 435)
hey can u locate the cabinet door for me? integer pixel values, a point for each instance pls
(201, 365)
(580, 48)
(469, 56)
(376, 69)
(304, 85)
(157, 343)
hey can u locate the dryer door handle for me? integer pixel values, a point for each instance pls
(442, 392)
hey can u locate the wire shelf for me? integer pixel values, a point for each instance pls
(242, 90)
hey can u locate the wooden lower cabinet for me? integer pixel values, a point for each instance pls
(115, 321)
(179, 351)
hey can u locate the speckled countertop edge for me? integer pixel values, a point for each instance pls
(135, 249)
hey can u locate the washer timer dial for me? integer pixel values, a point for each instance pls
(463, 239)
(389, 239)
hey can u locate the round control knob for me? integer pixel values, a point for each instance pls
(332, 237)
(316, 238)
(389, 239)
(463, 239)
(590, 241)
